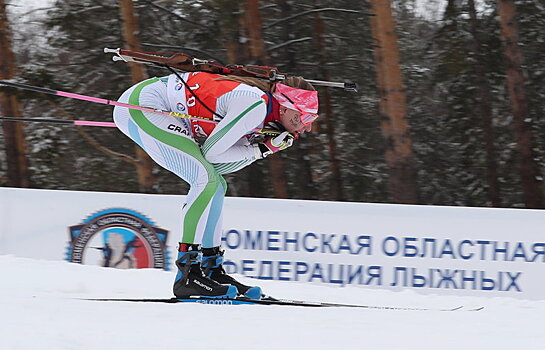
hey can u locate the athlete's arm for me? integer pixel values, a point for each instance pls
(227, 144)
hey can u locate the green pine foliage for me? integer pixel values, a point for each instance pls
(439, 66)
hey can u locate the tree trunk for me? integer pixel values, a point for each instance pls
(483, 90)
(144, 166)
(393, 106)
(532, 182)
(14, 135)
(252, 177)
(252, 17)
(250, 181)
(337, 188)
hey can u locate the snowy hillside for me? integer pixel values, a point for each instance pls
(41, 308)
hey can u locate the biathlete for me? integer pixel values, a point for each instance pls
(234, 114)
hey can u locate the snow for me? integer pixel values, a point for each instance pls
(41, 308)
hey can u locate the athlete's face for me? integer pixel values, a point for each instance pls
(291, 120)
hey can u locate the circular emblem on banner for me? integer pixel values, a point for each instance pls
(119, 238)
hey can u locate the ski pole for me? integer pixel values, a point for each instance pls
(99, 100)
(262, 132)
(60, 121)
(95, 100)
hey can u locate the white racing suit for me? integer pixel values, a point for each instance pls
(170, 141)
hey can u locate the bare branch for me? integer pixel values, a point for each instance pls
(154, 4)
(313, 11)
(16, 18)
(294, 41)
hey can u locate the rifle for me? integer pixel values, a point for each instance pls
(187, 63)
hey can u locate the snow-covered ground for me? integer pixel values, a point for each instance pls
(41, 308)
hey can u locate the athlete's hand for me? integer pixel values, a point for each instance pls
(273, 144)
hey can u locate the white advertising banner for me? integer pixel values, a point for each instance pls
(430, 249)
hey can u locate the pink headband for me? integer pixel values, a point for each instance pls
(296, 99)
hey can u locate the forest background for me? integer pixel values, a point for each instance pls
(448, 111)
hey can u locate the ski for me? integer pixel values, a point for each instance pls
(278, 302)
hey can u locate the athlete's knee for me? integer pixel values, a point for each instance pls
(223, 183)
(211, 182)
(212, 156)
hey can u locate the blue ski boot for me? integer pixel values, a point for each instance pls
(191, 281)
(212, 261)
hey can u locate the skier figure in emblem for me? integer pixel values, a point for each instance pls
(117, 253)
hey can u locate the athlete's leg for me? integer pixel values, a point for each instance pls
(168, 142)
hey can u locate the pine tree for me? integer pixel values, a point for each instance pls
(530, 173)
(393, 107)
